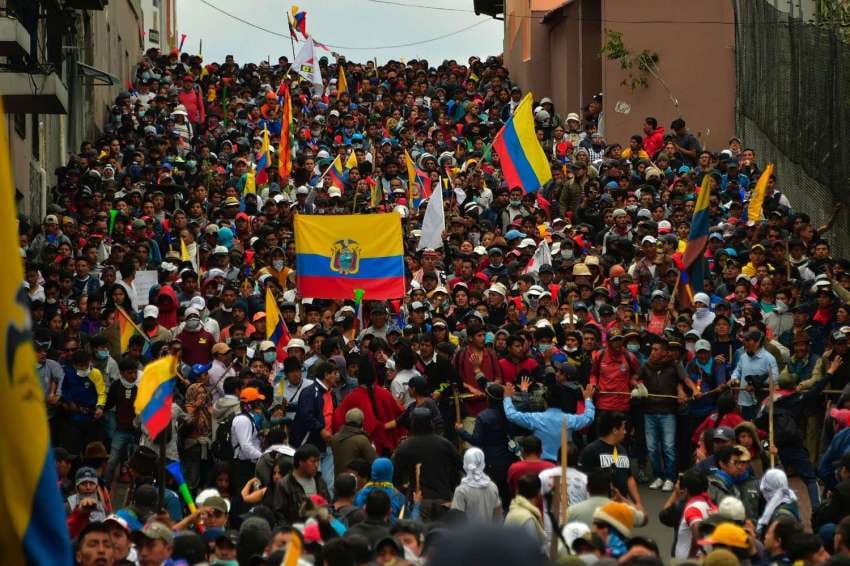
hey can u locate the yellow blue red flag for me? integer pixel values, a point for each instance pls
(156, 393)
(524, 163)
(336, 254)
(276, 329)
(32, 517)
(692, 265)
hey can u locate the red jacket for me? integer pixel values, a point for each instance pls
(193, 101)
(388, 410)
(654, 141)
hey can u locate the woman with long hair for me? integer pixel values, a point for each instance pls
(378, 406)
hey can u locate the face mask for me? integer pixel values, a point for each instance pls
(516, 203)
(544, 347)
(781, 307)
(193, 324)
(84, 372)
(102, 354)
(148, 324)
(632, 347)
(269, 357)
(277, 264)
(51, 301)
(570, 350)
(598, 303)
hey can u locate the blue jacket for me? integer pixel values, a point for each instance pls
(491, 436)
(309, 417)
(547, 425)
(839, 446)
(85, 392)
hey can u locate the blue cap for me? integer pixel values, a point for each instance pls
(684, 169)
(199, 369)
(611, 186)
(514, 234)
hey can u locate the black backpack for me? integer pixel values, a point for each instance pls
(221, 447)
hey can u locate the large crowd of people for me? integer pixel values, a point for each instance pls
(422, 430)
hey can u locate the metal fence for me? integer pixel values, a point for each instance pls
(793, 106)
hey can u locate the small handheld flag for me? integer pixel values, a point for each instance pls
(155, 394)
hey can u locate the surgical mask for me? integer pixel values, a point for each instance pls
(515, 203)
(781, 307)
(570, 350)
(598, 303)
(269, 357)
(102, 354)
(84, 372)
(193, 324)
(632, 347)
(544, 347)
(567, 253)
(277, 264)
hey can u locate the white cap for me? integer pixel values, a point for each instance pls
(665, 225)
(702, 298)
(479, 250)
(266, 345)
(334, 192)
(334, 112)
(527, 242)
(648, 240)
(220, 250)
(702, 345)
(191, 311)
(198, 303)
(150, 311)
(296, 343)
(574, 531)
(302, 190)
(308, 327)
(543, 323)
(213, 273)
(732, 507)
(390, 364)
(415, 305)
(498, 288)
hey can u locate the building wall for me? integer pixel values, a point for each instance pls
(108, 40)
(696, 61)
(527, 44)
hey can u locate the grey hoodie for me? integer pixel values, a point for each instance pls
(222, 409)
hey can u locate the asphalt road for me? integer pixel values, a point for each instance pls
(653, 501)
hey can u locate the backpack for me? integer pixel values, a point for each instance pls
(222, 447)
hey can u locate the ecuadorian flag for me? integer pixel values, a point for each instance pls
(32, 518)
(697, 238)
(336, 254)
(156, 393)
(276, 329)
(336, 173)
(524, 162)
(264, 159)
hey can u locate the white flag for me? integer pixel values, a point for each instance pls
(434, 222)
(306, 64)
(541, 257)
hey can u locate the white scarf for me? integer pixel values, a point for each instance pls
(473, 465)
(774, 487)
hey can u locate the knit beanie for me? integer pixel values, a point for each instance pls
(617, 515)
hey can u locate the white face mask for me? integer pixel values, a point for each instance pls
(570, 350)
(277, 264)
(781, 307)
(84, 372)
(193, 324)
(598, 303)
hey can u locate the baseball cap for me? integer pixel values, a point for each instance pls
(157, 531)
(727, 534)
(841, 416)
(251, 394)
(51, 219)
(296, 343)
(217, 503)
(724, 433)
(85, 474)
(150, 311)
(266, 345)
(702, 345)
(220, 348)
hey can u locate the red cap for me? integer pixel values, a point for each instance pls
(841, 416)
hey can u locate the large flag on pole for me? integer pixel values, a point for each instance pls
(284, 149)
(434, 222)
(156, 394)
(32, 517)
(276, 329)
(756, 207)
(524, 163)
(264, 159)
(306, 64)
(336, 254)
(697, 240)
(342, 83)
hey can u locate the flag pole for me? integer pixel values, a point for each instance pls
(565, 500)
(160, 472)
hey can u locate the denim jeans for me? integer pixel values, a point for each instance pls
(123, 444)
(326, 467)
(661, 441)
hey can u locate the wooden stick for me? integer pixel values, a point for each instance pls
(570, 324)
(651, 395)
(457, 415)
(555, 512)
(672, 300)
(770, 421)
(418, 476)
(564, 485)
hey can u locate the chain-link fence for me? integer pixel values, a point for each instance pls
(793, 107)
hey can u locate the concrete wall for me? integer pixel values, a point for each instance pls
(696, 61)
(527, 45)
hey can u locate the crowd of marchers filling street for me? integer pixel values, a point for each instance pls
(655, 315)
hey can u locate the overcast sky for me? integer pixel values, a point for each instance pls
(347, 23)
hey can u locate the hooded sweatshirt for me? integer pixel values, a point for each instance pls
(222, 409)
(382, 479)
(167, 303)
